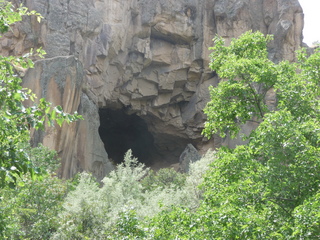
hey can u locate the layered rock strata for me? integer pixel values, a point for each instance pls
(142, 57)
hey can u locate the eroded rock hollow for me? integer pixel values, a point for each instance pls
(120, 131)
(137, 70)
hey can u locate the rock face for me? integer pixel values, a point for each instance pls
(142, 57)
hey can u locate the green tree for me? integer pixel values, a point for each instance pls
(15, 118)
(30, 210)
(258, 190)
(247, 75)
(269, 187)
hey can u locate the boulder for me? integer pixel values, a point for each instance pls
(189, 155)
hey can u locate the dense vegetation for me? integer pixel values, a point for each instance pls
(22, 169)
(267, 188)
(16, 118)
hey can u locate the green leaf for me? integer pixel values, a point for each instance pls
(60, 121)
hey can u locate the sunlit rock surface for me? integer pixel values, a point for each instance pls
(143, 57)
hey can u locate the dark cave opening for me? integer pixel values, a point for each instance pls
(120, 132)
(155, 147)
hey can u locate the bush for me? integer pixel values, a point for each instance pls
(30, 210)
(43, 158)
(163, 178)
(125, 204)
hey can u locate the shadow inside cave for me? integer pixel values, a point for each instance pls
(120, 132)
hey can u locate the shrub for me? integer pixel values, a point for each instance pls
(163, 178)
(30, 210)
(124, 205)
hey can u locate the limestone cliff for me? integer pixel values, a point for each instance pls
(137, 64)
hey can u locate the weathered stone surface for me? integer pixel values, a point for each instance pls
(60, 81)
(189, 155)
(147, 57)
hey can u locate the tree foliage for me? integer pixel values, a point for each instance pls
(268, 188)
(258, 189)
(15, 118)
(247, 75)
(30, 210)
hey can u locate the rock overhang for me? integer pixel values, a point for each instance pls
(150, 58)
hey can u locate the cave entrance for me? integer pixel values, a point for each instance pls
(153, 143)
(120, 132)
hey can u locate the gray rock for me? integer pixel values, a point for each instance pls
(189, 155)
(146, 57)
